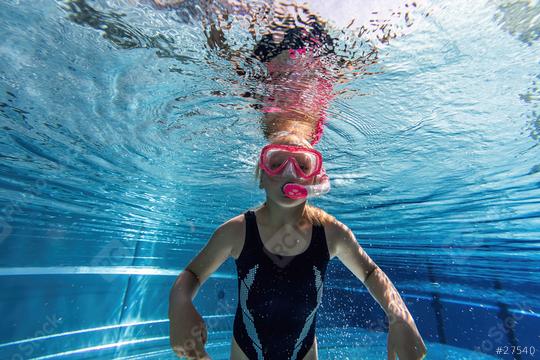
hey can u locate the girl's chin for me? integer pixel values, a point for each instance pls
(288, 201)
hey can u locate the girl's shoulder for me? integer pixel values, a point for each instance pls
(334, 230)
(318, 216)
(231, 232)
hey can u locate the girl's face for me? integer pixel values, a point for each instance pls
(273, 186)
(298, 163)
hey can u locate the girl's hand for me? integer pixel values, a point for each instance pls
(405, 341)
(188, 333)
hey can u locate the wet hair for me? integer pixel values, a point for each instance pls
(285, 137)
(313, 36)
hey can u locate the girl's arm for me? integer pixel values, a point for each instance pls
(188, 332)
(404, 340)
(364, 268)
(218, 248)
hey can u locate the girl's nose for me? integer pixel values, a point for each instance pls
(289, 170)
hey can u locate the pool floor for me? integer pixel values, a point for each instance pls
(334, 344)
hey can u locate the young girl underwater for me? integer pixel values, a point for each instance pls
(281, 249)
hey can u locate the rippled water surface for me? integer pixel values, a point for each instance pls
(129, 133)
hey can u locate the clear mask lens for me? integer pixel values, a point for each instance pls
(307, 162)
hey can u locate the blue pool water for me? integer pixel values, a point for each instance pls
(126, 140)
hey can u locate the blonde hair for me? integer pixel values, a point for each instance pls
(311, 213)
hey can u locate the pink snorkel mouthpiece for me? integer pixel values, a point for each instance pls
(297, 191)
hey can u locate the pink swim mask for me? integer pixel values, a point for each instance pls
(295, 162)
(304, 162)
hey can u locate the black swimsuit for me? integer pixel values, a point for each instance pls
(278, 296)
